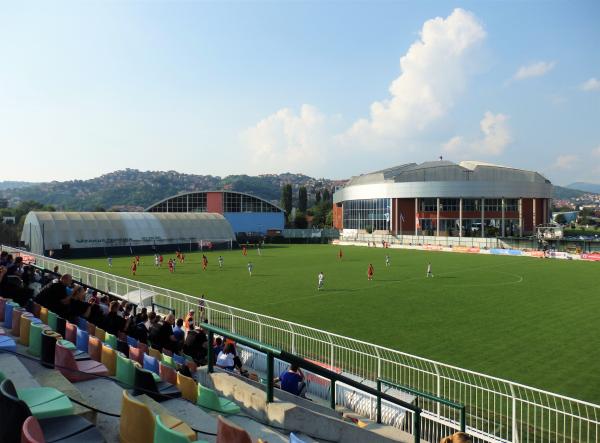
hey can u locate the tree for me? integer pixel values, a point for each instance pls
(302, 199)
(329, 219)
(300, 220)
(317, 197)
(326, 196)
(286, 199)
(561, 219)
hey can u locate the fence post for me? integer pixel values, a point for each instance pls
(439, 389)
(463, 419)
(270, 361)
(379, 401)
(515, 427)
(332, 395)
(417, 426)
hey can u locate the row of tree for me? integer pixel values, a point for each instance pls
(320, 211)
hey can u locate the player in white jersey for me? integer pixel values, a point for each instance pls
(429, 273)
(156, 260)
(321, 281)
(110, 262)
(387, 260)
(250, 268)
(220, 261)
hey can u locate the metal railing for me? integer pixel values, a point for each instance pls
(497, 410)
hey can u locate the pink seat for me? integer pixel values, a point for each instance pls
(91, 328)
(136, 354)
(95, 348)
(31, 432)
(167, 374)
(229, 432)
(16, 321)
(71, 332)
(76, 370)
(143, 347)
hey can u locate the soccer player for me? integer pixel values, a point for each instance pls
(258, 248)
(429, 273)
(137, 259)
(182, 258)
(321, 280)
(387, 260)
(171, 267)
(340, 254)
(173, 264)
(370, 272)
(133, 267)
(160, 260)
(220, 262)
(110, 262)
(244, 252)
(204, 262)
(250, 268)
(156, 260)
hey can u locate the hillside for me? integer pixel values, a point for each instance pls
(131, 189)
(587, 187)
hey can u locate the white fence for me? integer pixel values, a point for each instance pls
(497, 410)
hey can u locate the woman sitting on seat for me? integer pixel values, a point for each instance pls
(228, 360)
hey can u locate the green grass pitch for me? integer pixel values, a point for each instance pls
(532, 321)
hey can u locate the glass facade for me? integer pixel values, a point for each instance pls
(234, 202)
(182, 203)
(373, 215)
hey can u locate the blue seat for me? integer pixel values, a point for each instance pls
(8, 311)
(150, 363)
(82, 323)
(132, 341)
(295, 439)
(179, 359)
(82, 340)
(7, 344)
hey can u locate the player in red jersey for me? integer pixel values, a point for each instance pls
(244, 252)
(370, 272)
(204, 262)
(137, 259)
(133, 267)
(160, 260)
(171, 268)
(340, 254)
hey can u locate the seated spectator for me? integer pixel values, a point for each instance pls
(227, 359)
(178, 331)
(104, 301)
(292, 381)
(166, 338)
(217, 348)
(114, 323)
(3, 258)
(56, 296)
(196, 346)
(141, 316)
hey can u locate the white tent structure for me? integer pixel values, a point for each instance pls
(44, 231)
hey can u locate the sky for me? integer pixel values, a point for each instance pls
(329, 89)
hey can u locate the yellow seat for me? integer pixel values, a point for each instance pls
(100, 333)
(24, 326)
(109, 359)
(137, 421)
(44, 315)
(188, 387)
(155, 353)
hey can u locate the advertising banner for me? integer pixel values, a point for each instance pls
(506, 251)
(592, 256)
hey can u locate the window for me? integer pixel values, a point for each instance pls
(472, 204)
(511, 204)
(234, 202)
(449, 204)
(493, 204)
(428, 205)
(367, 214)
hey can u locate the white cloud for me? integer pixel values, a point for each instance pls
(433, 74)
(565, 161)
(534, 70)
(496, 136)
(593, 84)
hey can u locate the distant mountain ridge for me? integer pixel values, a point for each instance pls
(131, 189)
(584, 186)
(15, 184)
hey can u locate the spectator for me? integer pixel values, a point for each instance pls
(457, 437)
(104, 300)
(227, 359)
(189, 321)
(154, 331)
(178, 332)
(217, 348)
(292, 381)
(196, 345)
(55, 296)
(166, 337)
(115, 323)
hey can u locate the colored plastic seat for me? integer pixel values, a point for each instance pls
(7, 344)
(167, 373)
(190, 363)
(294, 438)
(25, 326)
(207, 398)
(155, 353)
(49, 338)
(8, 310)
(164, 434)
(95, 348)
(167, 360)
(100, 333)
(36, 308)
(109, 359)
(150, 363)
(110, 340)
(229, 432)
(31, 432)
(14, 413)
(16, 321)
(3, 302)
(82, 340)
(71, 332)
(44, 402)
(35, 338)
(91, 328)
(125, 371)
(136, 355)
(61, 326)
(132, 341)
(168, 352)
(123, 347)
(145, 383)
(142, 346)
(178, 360)
(188, 387)
(77, 370)
(79, 355)
(44, 315)
(52, 320)
(82, 323)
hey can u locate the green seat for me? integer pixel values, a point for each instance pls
(207, 398)
(125, 371)
(167, 360)
(45, 402)
(163, 434)
(35, 338)
(156, 377)
(67, 344)
(52, 320)
(110, 340)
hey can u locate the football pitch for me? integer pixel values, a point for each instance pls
(533, 321)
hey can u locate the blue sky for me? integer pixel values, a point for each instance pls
(329, 89)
